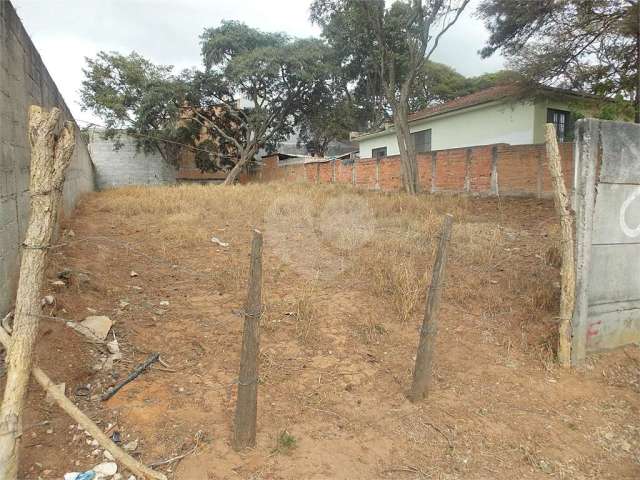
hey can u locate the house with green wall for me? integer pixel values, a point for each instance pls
(500, 114)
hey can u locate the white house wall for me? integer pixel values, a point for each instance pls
(511, 123)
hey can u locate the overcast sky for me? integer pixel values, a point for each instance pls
(166, 31)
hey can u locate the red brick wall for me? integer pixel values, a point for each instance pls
(486, 169)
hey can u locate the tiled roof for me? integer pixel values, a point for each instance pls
(483, 96)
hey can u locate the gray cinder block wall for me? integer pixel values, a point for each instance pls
(127, 165)
(24, 81)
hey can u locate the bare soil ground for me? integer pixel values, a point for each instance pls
(344, 284)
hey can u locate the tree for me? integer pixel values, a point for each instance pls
(590, 45)
(437, 83)
(385, 49)
(262, 80)
(329, 112)
(133, 95)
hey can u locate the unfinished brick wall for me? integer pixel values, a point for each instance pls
(500, 169)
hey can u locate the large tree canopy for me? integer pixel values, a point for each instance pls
(383, 50)
(262, 79)
(589, 45)
(250, 95)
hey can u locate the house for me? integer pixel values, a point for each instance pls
(500, 114)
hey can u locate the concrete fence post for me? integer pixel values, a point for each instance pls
(494, 171)
(433, 171)
(540, 185)
(467, 171)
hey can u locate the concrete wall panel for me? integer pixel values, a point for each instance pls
(607, 312)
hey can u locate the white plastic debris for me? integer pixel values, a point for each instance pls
(133, 274)
(105, 470)
(219, 242)
(164, 303)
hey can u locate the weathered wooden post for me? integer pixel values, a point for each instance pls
(244, 431)
(568, 268)
(422, 372)
(50, 156)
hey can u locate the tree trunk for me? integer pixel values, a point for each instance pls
(245, 157)
(568, 268)
(408, 163)
(50, 156)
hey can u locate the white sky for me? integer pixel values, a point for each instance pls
(167, 31)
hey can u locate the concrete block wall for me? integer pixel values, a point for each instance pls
(127, 165)
(500, 169)
(24, 81)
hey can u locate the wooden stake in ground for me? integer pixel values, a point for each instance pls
(85, 422)
(568, 269)
(244, 431)
(50, 156)
(424, 359)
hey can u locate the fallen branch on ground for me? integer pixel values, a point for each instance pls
(85, 422)
(132, 376)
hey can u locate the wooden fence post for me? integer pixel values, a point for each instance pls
(244, 432)
(568, 269)
(50, 156)
(422, 372)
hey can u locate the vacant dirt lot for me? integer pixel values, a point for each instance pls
(344, 285)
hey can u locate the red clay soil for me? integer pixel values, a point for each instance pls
(500, 409)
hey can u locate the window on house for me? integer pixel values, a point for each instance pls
(379, 152)
(422, 140)
(562, 120)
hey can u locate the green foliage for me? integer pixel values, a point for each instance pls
(286, 443)
(273, 74)
(329, 112)
(589, 45)
(249, 96)
(131, 94)
(438, 83)
(382, 50)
